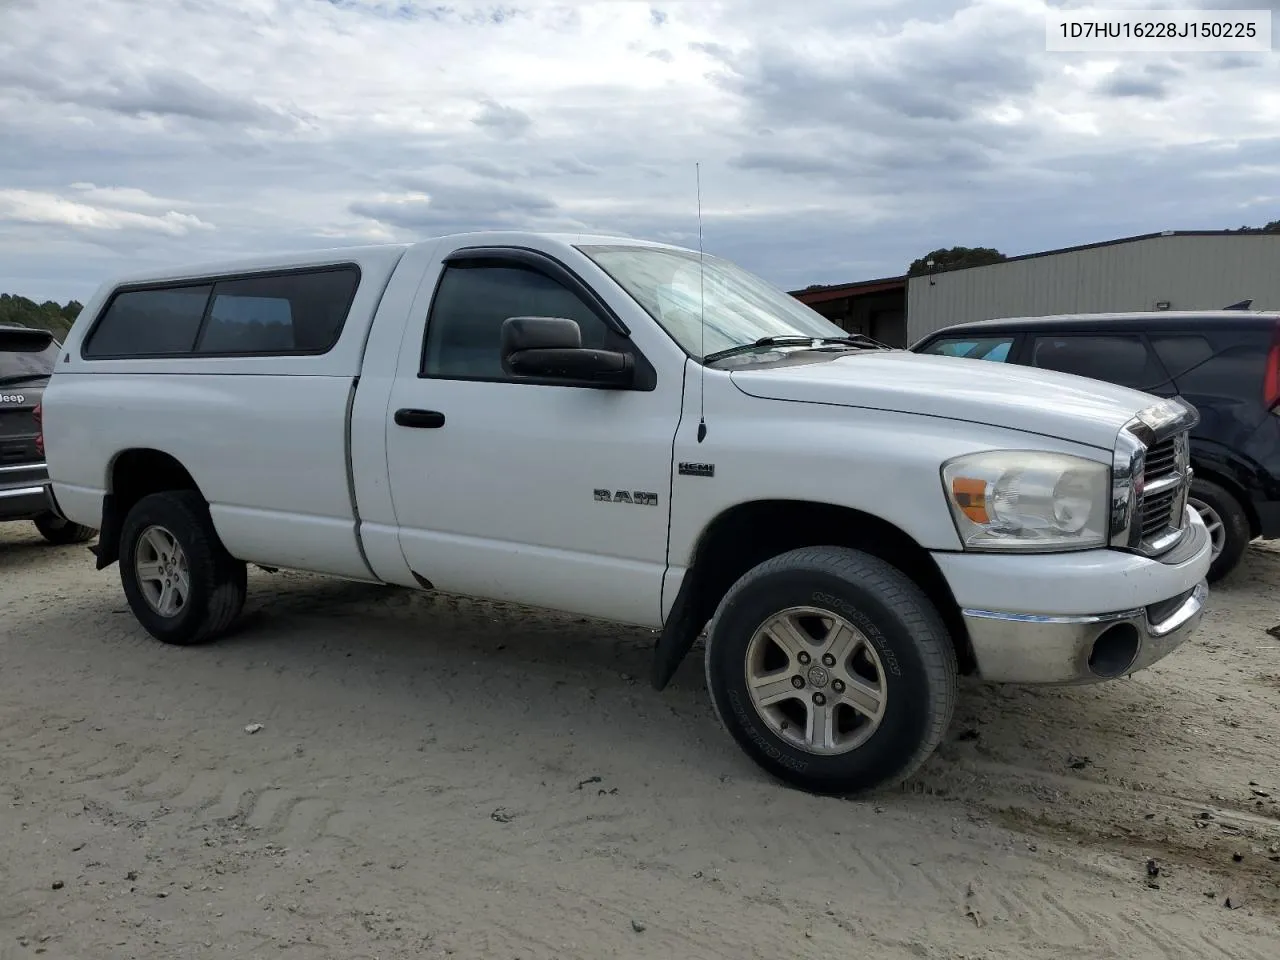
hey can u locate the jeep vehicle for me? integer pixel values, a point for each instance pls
(633, 432)
(26, 359)
(1225, 363)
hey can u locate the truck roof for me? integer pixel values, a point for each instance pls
(309, 257)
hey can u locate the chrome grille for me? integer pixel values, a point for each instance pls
(1162, 459)
(1160, 483)
(1156, 514)
(1151, 480)
(1166, 477)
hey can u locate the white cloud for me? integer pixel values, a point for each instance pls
(837, 140)
(49, 209)
(129, 198)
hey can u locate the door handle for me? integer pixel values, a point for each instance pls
(426, 419)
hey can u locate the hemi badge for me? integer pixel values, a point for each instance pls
(698, 469)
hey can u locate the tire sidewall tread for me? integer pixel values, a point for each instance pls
(1234, 520)
(897, 619)
(62, 532)
(218, 581)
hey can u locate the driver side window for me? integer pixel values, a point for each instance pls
(464, 327)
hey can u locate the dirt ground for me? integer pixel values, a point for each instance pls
(439, 777)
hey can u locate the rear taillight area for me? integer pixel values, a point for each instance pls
(38, 416)
(1271, 379)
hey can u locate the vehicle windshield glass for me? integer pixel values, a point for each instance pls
(26, 354)
(740, 308)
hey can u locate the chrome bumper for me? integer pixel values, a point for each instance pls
(24, 491)
(1026, 648)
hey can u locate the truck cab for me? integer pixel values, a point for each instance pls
(644, 434)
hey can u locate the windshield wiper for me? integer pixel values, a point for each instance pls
(21, 378)
(853, 340)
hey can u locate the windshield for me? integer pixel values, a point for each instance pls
(26, 354)
(740, 308)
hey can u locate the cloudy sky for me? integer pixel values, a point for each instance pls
(839, 139)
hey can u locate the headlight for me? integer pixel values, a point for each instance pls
(1028, 500)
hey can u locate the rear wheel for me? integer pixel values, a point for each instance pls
(57, 530)
(832, 670)
(181, 583)
(1227, 523)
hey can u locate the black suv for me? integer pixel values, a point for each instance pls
(1225, 362)
(26, 360)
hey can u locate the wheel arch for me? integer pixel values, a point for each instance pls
(132, 474)
(746, 534)
(1211, 473)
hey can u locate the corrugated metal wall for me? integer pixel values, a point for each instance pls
(1191, 272)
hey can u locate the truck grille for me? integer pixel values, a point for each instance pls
(1162, 459)
(1161, 509)
(1151, 478)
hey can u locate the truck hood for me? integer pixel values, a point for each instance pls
(1053, 404)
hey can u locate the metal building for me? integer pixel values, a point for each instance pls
(1174, 270)
(877, 308)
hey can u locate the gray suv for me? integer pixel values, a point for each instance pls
(26, 361)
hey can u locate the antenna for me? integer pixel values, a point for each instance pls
(702, 318)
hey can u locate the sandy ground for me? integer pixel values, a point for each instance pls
(440, 777)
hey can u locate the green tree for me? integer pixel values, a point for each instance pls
(1272, 227)
(954, 258)
(54, 317)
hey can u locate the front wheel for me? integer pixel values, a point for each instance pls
(1228, 526)
(57, 530)
(181, 583)
(832, 670)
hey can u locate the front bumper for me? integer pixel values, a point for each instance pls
(24, 491)
(1053, 632)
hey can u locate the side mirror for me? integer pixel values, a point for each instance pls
(551, 348)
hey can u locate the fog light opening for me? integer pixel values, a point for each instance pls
(1115, 650)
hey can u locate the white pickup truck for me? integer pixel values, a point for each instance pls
(629, 431)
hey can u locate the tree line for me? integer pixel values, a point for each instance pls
(956, 258)
(54, 317)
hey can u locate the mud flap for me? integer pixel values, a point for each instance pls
(107, 549)
(678, 634)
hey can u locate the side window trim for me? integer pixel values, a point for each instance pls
(142, 287)
(204, 318)
(548, 266)
(272, 275)
(212, 281)
(552, 269)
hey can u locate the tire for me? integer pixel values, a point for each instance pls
(896, 623)
(62, 532)
(1217, 505)
(216, 581)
